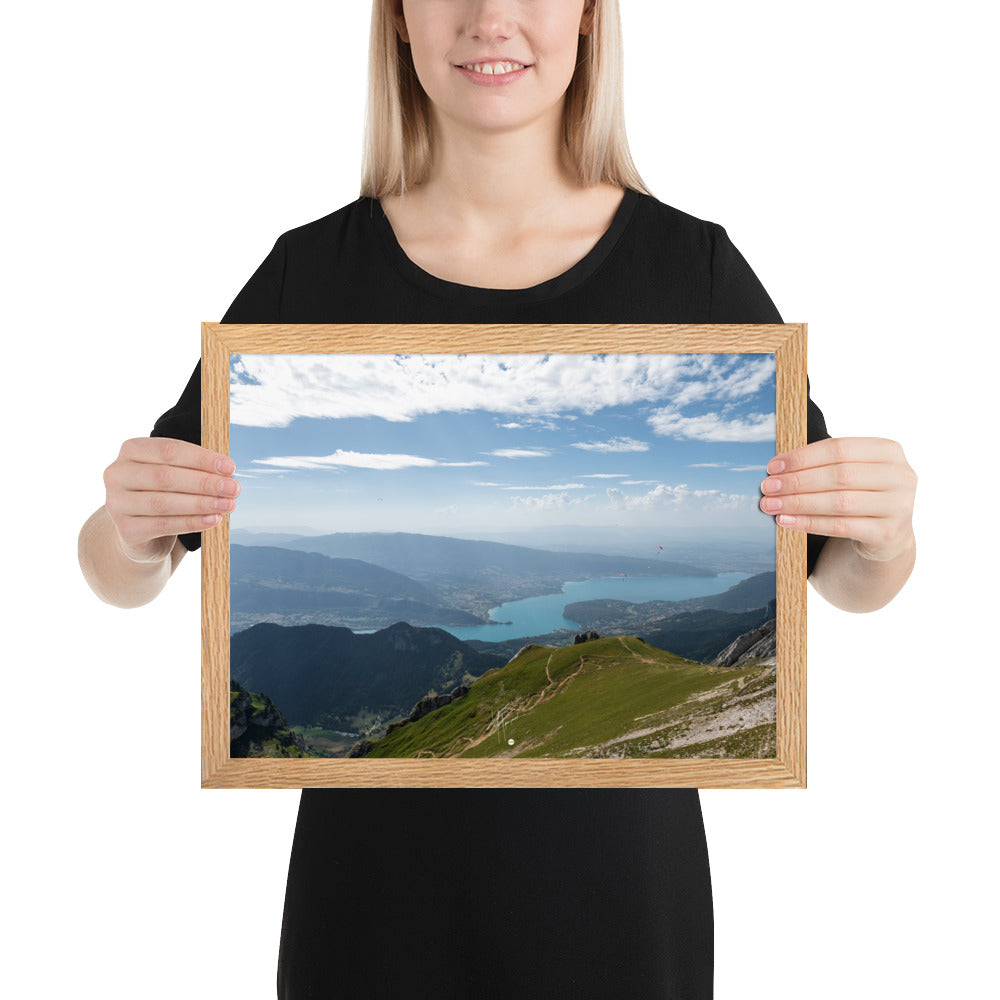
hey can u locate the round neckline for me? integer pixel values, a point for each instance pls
(547, 289)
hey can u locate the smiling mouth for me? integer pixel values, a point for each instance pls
(493, 68)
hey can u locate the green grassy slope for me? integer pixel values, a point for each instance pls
(613, 697)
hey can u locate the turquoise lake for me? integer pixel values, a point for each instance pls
(541, 615)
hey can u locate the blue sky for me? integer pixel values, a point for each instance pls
(455, 443)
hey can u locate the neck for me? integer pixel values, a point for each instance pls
(499, 179)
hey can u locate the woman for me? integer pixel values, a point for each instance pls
(498, 188)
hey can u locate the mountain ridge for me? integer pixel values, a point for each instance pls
(329, 676)
(396, 550)
(611, 697)
(289, 587)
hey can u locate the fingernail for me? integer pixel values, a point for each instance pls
(228, 487)
(771, 485)
(771, 504)
(775, 466)
(225, 466)
(211, 520)
(786, 519)
(225, 504)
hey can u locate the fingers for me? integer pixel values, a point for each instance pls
(162, 487)
(857, 488)
(138, 534)
(872, 532)
(851, 476)
(836, 451)
(876, 534)
(136, 504)
(137, 477)
(172, 452)
(846, 503)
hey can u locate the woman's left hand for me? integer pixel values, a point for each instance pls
(856, 488)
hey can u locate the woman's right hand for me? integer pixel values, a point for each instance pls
(158, 488)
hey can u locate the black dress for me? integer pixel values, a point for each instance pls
(589, 894)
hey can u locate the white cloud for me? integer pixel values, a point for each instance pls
(712, 427)
(614, 445)
(521, 453)
(359, 460)
(546, 423)
(550, 501)
(727, 379)
(726, 466)
(532, 489)
(605, 475)
(664, 497)
(560, 486)
(272, 390)
(659, 496)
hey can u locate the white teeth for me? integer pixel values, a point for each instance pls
(495, 69)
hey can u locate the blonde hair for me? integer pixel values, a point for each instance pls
(397, 142)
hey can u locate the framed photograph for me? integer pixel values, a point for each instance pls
(503, 556)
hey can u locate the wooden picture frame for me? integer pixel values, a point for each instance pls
(787, 343)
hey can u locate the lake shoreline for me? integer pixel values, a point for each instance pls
(544, 614)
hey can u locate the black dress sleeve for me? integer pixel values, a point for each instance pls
(737, 296)
(258, 302)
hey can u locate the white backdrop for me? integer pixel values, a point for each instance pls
(156, 152)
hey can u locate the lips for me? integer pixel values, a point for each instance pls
(493, 67)
(493, 72)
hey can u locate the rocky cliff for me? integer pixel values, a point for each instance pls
(257, 728)
(758, 645)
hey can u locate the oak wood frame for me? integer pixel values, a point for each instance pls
(787, 770)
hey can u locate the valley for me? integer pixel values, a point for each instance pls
(357, 657)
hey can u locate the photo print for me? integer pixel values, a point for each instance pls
(502, 557)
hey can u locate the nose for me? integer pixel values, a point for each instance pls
(490, 19)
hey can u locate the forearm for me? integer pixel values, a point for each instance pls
(853, 583)
(113, 576)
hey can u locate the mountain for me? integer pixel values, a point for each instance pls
(628, 617)
(334, 678)
(754, 592)
(276, 566)
(717, 549)
(699, 635)
(242, 536)
(432, 556)
(614, 697)
(477, 576)
(270, 583)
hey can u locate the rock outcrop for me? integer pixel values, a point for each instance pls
(423, 707)
(256, 722)
(361, 749)
(758, 644)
